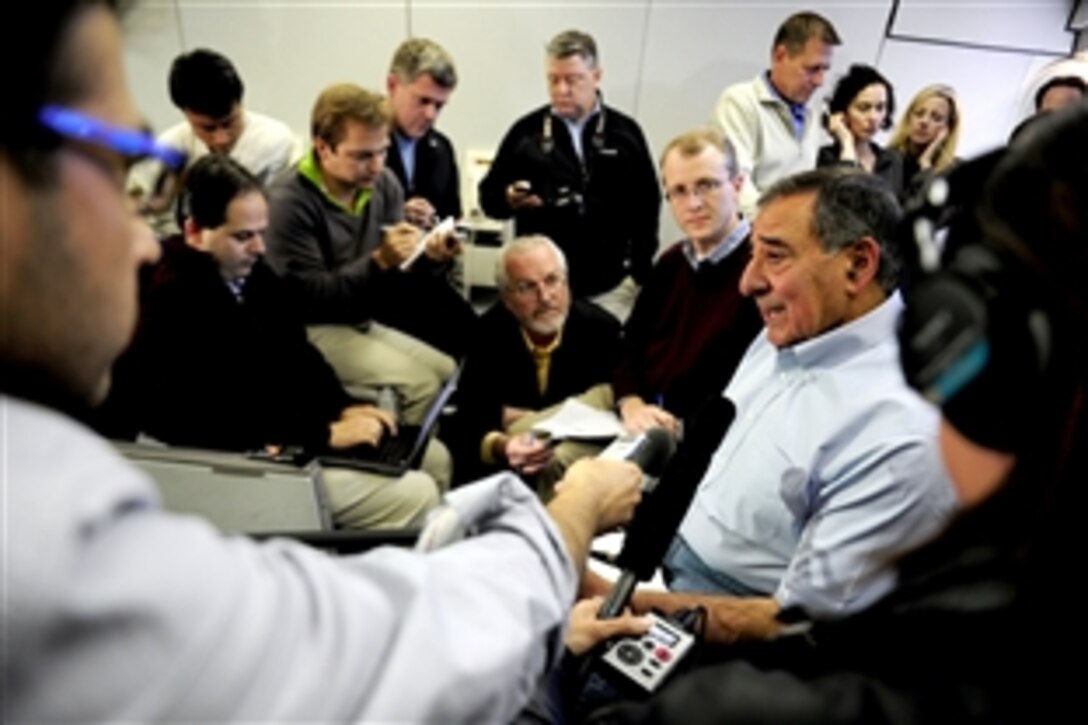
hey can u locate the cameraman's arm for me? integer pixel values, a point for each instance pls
(729, 619)
(594, 496)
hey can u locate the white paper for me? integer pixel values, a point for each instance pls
(575, 419)
(443, 227)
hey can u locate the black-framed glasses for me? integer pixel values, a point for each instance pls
(98, 139)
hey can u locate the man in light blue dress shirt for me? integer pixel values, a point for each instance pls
(830, 469)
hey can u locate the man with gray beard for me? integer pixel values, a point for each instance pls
(532, 350)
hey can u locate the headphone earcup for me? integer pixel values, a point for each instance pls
(972, 341)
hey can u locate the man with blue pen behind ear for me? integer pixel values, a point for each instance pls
(115, 610)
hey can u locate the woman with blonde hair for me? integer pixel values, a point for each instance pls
(928, 133)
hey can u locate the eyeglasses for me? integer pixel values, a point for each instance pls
(526, 288)
(98, 140)
(702, 189)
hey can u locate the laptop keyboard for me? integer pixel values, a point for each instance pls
(394, 449)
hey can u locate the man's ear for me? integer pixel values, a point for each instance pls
(193, 236)
(390, 83)
(321, 147)
(863, 261)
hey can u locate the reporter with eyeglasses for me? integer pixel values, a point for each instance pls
(690, 325)
(114, 610)
(531, 351)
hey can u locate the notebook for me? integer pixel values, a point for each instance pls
(394, 454)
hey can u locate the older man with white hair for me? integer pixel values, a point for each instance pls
(531, 351)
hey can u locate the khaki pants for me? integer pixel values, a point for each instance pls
(618, 301)
(567, 452)
(361, 500)
(377, 357)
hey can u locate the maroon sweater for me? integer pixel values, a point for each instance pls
(687, 332)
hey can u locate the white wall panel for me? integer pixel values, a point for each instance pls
(1026, 24)
(989, 85)
(665, 61)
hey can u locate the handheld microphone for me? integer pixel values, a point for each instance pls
(461, 511)
(658, 517)
(651, 451)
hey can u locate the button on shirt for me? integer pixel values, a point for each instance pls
(829, 471)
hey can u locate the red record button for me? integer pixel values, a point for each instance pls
(662, 654)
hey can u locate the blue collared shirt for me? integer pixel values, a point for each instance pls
(829, 471)
(576, 127)
(732, 240)
(797, 110)
(406, 147)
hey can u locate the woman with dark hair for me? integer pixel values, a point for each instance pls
(862, 105)
(975, 630)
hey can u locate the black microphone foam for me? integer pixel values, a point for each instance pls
(658, 517)
(652, 451)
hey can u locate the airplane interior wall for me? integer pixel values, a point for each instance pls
(665, 62)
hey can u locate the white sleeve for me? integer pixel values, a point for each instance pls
(737, 117)
(156, 617)
(888, 501)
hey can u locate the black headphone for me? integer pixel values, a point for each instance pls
(976, 336)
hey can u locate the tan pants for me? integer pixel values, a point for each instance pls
(567, 452)
(618, 301)
(366, 360)
(361, 500)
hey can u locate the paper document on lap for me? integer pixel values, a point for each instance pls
(577, 420)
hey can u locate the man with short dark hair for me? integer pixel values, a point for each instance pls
(117, 611)
(206, 88)
(580, 173)
(221, 360)
(1059, 92)
(768, 119)
(375, 301)
(421, 79)
(690, 326)
(831, 468)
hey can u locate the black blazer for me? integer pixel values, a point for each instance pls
(436, 178)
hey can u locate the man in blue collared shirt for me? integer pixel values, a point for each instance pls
(831, 468)
(421, 80)
(768, 118)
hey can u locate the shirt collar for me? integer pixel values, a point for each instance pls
(580, 123)
(875, 327)
(538, 350)
(310, 171)
(797, 109)
(404, 141)
(732, 240)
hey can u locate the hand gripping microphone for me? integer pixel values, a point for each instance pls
(658, 517)
(651, 451)
(463, 510)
